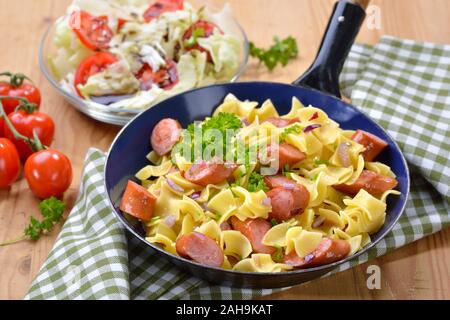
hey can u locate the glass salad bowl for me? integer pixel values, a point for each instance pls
(103, 112)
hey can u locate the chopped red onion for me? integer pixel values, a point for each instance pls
(289, 186)
(343, 155)
(311, 128)
(314, 116)
(309, 258)
(170, 221)
(318, 222)
(174, 186)
(267, 202)
(195, 195)
(224, 226)
(245, 122)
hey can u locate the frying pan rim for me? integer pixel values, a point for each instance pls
(260, 274)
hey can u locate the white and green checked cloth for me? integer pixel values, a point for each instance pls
(402, 84)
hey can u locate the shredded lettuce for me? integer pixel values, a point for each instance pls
(115, 79)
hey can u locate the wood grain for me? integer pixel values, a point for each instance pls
(418, 271)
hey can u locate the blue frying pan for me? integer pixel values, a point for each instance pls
(318, 87)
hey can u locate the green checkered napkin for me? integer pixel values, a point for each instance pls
(402, 84)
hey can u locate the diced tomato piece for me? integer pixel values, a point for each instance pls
(161, 6)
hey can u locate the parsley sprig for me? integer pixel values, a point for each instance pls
(52, 211)
(280, 53)
(223, 122)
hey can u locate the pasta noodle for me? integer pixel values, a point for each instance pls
(226, 211)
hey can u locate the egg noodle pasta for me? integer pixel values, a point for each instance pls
(322, 201)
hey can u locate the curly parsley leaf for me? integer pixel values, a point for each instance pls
(256, 183)
(280, 53)
(224, 122)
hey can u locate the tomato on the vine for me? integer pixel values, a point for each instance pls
(166, 77)
(161, 6)
(92, 65)
(48, 173)
(9, 163)
(2, 126)
(17, 87)
(92, 31)
(27, 123)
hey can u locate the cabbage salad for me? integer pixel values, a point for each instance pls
(137, 53)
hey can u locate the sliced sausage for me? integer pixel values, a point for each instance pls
(165, 135)
(287, 154)
(203, 173)
(224, 226)
(328, 251)
(138, 202)
(282, 201)
(372, 182)
(372, 143)
(254, 230)
(293, 260)
(200, 248)
(300, 193)
(281, 123)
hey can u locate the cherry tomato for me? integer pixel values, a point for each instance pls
(92, 65)
(208, 30)
(9, 163)
(48, 173)
(92, 31)
(165, 78)
(25, 90)
(161, 6)
(2, 125)
(26, 124)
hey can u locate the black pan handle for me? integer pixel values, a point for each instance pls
(341, 32)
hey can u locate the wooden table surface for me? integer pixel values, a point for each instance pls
(419, 270)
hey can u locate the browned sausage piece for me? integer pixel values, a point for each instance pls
(200, 248)
(287, 154)
(299, 192)
(224, 226)
(165, 135)
(254, 230)
(282, 201)
(372, 182)
(203, 173)
(293, 260)
(281, 123)
(328, 251)
(373, 144)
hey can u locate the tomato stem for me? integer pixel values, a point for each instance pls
(16, 79)
(34, 143)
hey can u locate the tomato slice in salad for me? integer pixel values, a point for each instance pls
(161, 6)
(165, 78)
(200, 29)
(92, 65)
(92, 31)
